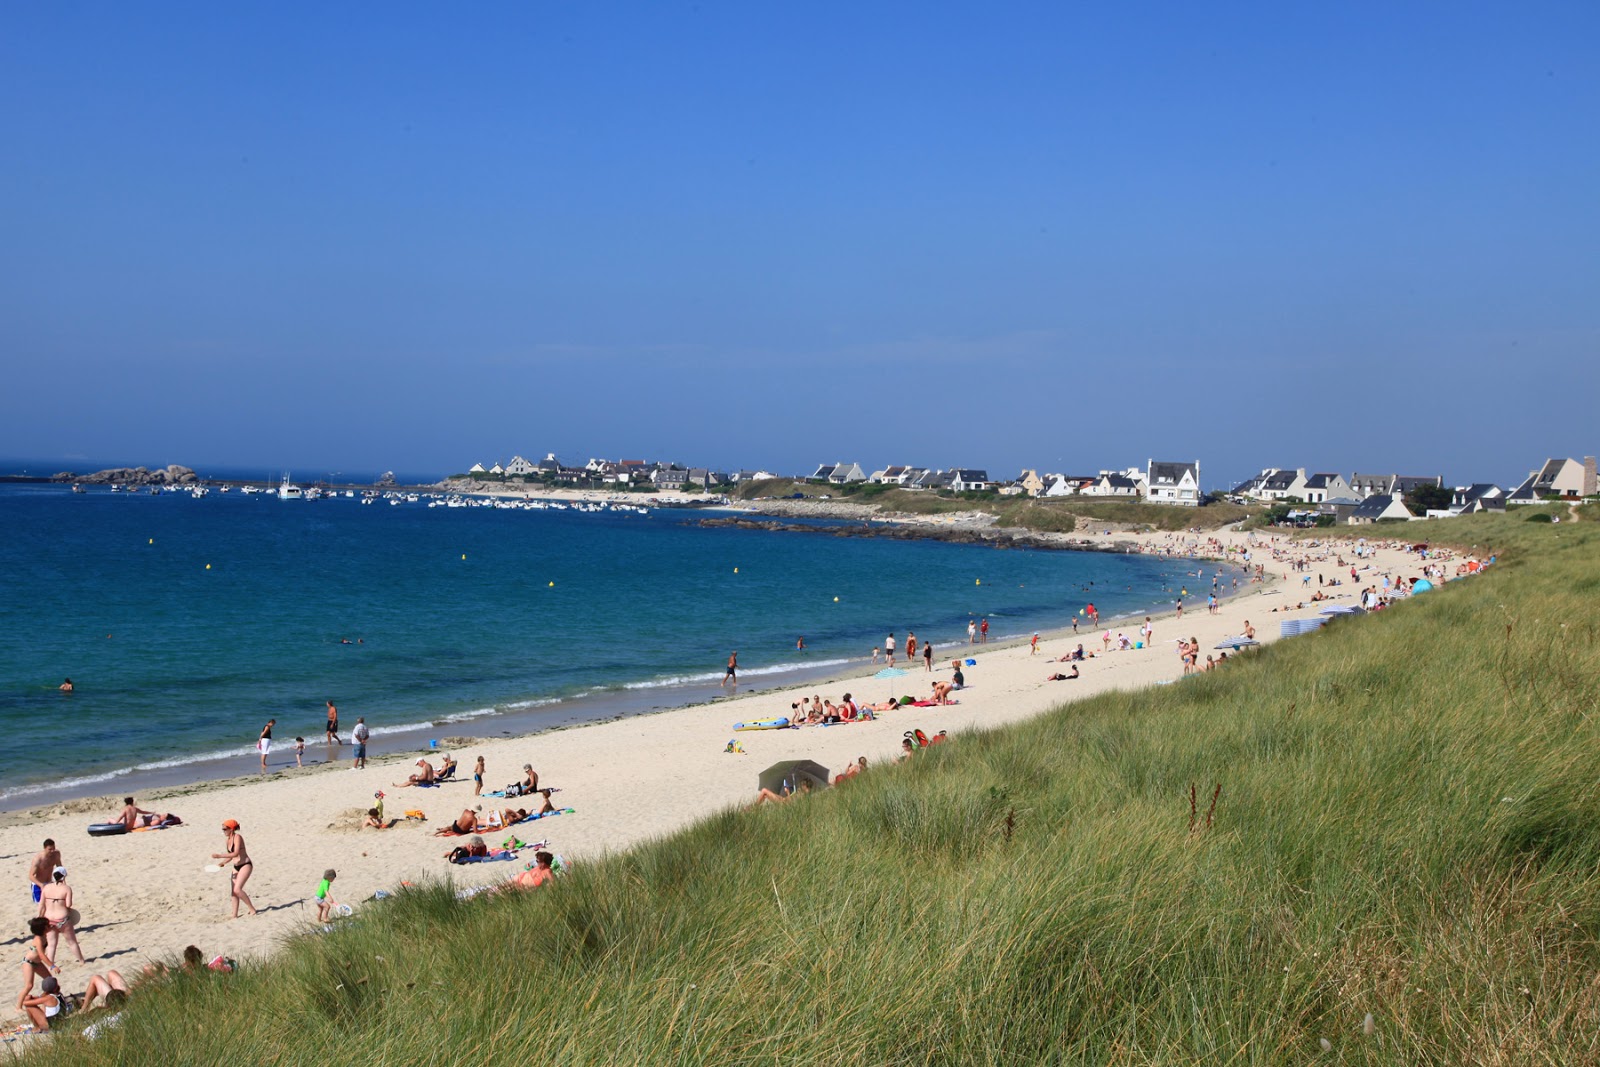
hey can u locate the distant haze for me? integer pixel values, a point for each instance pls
(328, 239)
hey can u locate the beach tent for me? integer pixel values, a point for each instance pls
(1343, 609)
(785, 777)
(1422, 586)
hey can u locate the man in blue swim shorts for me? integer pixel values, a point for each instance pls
(39, 874)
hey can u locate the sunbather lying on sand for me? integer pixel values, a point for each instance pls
(469, 823)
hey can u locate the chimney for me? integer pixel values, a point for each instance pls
(1589, 486)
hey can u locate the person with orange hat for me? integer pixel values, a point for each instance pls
(242, 865)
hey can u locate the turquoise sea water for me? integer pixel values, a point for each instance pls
(176, 663)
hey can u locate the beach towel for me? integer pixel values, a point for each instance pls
(545, 815)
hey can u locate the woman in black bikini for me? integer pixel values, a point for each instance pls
(36, 961)
(242, 867)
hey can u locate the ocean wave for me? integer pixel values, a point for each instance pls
(58, 784)
(752, 672)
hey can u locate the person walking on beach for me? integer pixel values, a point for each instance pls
(927, 656)
(1033, 646)
(243, 867)
(888, 649)
(911, 647)
(41, 871)
(972, 631)
(477, 778)
(56, 906)
(733, 669)
(333, 725)
(1147, 632)
(264, 742)
(358, 738)
(983, 632)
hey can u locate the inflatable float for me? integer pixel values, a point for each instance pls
(762, 724)
(106, 829)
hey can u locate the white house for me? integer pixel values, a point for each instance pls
(476, 468)
(1115, 483)
(519, 466)
(893, 475)
(1173, 483)
(966, 480)
(497, 469)
(1320, 488)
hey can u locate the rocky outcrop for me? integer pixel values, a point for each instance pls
(170, 475)
(995, 537)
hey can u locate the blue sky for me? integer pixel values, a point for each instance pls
(1013, 235)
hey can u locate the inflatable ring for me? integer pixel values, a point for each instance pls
(107, 829)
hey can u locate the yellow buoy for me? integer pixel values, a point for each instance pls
(977, 581)
(835, 600)
(552, 585)
(208, 566)
(736, 570)
(463, 555)
(152, 540)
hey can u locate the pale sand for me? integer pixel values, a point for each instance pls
(145, 895)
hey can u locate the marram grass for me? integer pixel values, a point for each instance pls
(1407, 829)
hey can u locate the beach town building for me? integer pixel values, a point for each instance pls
(669, 478)
(476, 468)
(740, 476)
(519, 466)
(932, 479)
(1478, 497)
(1365, 485)
(967, 480)
(497, 469)
(1320, 488)
(1029, 482)
(1128, 483)
(839, 473)
(1565, 479)
(1275, 483)
(892, 475)
(1173, 483)
(1379, 507)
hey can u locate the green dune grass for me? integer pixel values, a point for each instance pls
(1406, 826)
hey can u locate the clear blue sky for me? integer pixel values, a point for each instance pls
(1055, 235)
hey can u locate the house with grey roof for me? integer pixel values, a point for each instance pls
(968, 480)
(519, 466)
(1565, 479)
(669, 478)
(1274, 483)
(1115, 483)
(1476, 498)
(1173, 483)
(1379, 507)
(1323, 487)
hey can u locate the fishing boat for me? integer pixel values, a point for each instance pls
(288, 490)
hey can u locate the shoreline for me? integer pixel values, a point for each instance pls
(183, 775)
(631, 779)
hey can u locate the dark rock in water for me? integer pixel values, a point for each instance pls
(171, 475)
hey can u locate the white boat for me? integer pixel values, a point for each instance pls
(288, 490)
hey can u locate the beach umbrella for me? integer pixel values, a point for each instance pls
(891, 673)
(785, 777)
(1236, 643)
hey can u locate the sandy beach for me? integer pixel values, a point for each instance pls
(146, 895)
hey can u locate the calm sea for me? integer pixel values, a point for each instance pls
(186, 622)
